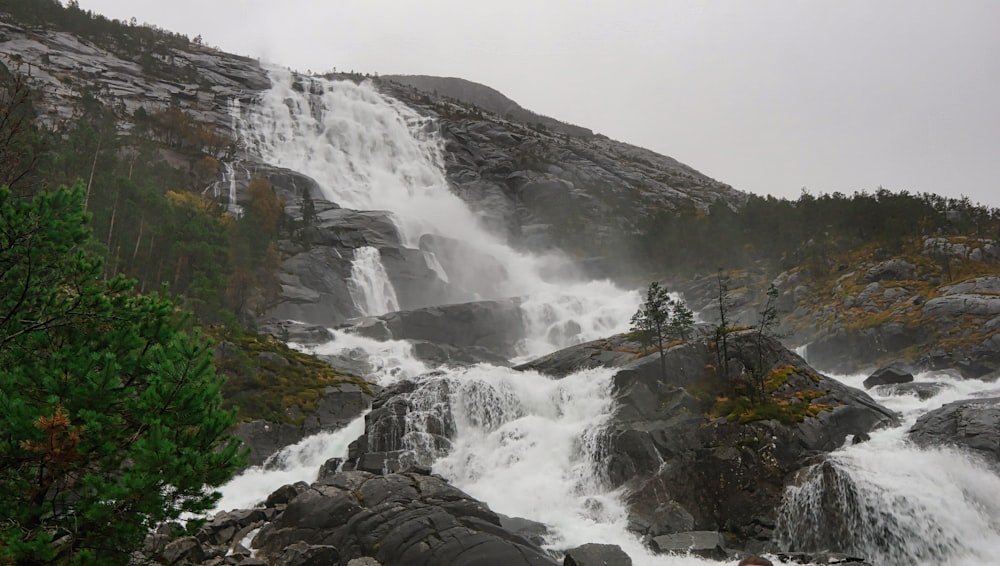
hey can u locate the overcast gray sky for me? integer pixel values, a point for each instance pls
(768, 96)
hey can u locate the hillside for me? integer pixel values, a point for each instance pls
(486, 98)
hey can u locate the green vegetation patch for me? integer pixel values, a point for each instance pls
(786, 410)
(266, 378)
(727, 398)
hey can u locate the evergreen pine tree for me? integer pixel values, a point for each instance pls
(110, 418)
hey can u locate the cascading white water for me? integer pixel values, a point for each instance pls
(370, 152)
(385, 363)
(526, 444)
(369, 284)
(897, 504)
(298, 462)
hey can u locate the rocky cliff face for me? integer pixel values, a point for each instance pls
(201, 80)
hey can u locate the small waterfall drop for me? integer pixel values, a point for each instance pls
(895, 503)
(299, 462)
(369, 284)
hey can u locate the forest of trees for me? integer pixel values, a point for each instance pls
(151, 218)
(782, 233)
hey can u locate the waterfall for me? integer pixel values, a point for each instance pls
(298, 462)
(369, 284)
(895, 503)
(371, 152)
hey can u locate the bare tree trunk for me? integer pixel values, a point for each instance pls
(138, 240)
(93, 167)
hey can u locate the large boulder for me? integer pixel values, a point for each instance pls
(892, 270)
(592, 554)
(972, 424)
(887, 376)
(490, 327)
(733, 471)
(398, 519)
(389, 443)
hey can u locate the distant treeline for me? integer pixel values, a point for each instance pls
(783, 233)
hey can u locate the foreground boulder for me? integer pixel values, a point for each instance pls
(397, 519)
(597, 555)
(973, 424)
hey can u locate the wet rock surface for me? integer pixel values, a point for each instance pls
(487, 329)
(733, 473)
(354, 519)
(597, 555)
(972, 424)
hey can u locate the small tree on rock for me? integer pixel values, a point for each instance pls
(722, 330)
(767, 320)
(659, 318)
(681, 321)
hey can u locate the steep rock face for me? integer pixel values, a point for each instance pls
(317, 266)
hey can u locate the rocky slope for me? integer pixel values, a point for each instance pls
(482, 96)
(933, 306)
(541, 188)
